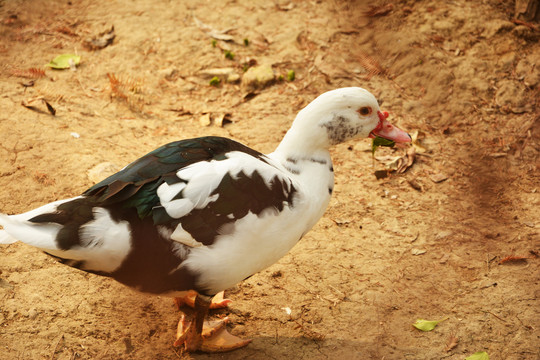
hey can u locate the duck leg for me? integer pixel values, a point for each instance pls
(218, 301)
(196, 334)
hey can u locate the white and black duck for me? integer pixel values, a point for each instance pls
(195, 217)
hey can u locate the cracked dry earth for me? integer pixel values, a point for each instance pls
(430, 243)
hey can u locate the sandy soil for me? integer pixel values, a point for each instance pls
(429, 243)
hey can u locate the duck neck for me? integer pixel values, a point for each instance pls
(303, 139)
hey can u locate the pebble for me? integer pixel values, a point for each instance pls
(258, 77)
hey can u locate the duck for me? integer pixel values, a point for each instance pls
(195, 217)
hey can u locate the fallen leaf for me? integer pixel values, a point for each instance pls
(31, 104)
(30, 83)
(222, 119)
(340, 221)
(438, 177)
(372, 66)
(427, 325)
(480, 355)
(415, 184)
(451, 343)
(287, 7)
(406, 161)
(416, 139)
(216, 34)
(418, 251)
(6, 285)
(64, 61)
(513, 258)
(49, 107)
(379, 141)
(181, 111)
(101, 41)
(43, 178)
(381, 174)
(31, 73)
(205, 120)
(215, 81)
(444, 258)
(379, 10)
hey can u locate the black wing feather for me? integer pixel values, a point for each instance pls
(135, 186)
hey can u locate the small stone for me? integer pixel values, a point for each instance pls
(258, 77)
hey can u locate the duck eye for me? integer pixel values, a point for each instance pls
(365, 111)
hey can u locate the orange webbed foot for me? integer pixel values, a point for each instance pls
(213, 338)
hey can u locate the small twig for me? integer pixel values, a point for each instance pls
(56, 347)
(489, 312)
(176, 353)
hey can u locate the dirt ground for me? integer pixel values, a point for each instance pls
(430, 243)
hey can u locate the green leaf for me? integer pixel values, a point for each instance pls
(64, 61)
(246, 42)
(229, 54)
(426, 325)
(215, 81)
(291, 75)
(480, 355)
(379, 141)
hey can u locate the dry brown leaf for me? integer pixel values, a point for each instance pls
(43, 178)
(438, 177)
(451, 343)
(30, 73)
(379, 10)
(222, 119)
(416, 251)
(32, 104)
(285, 7)
(127, 89)
(205, 120)
(371, 65)
(100, 41)
(513, 258)
(415, 184)
(406, 161)
(214, 33)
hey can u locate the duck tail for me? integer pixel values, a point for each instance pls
(5, 239)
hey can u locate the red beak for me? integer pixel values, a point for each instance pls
(388, 131)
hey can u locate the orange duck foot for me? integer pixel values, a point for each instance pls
(214, 336)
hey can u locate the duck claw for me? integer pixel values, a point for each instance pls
(214, 337)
